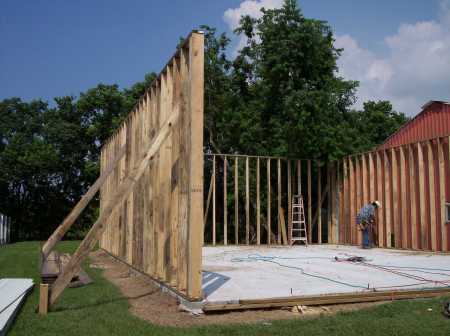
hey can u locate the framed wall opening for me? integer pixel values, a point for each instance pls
(204, 224)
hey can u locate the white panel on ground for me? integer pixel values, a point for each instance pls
(12, 295)
(235, 273)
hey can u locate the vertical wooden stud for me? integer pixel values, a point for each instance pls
(380, 197)
(214, 202)
(196, 99)
(442, 201)
(247, 203)
(309, 202)
(225, 202)
(412, 191)
(236, 200)
(404, 222)
(268, 204)
(258, 204)
(352, 203)
(289, 195)
(279, 201)
(319, 205)
(432, 194)
(422, 192)
(395, 198)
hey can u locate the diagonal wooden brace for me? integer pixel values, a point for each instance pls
(125, 188)
(81, 205)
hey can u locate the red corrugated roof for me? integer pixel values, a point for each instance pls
(433, 121)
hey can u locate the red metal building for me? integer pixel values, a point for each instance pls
(432, 122)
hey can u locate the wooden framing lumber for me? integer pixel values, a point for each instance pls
(422, 191)
(279, 200)
(309, 202)
(352, 178)
(225, 202)
(43, 298)
(289, 202)
(412, 191)
(258, 204)
(236, 200)
(396, 209)
(247, 203)
(380, 197)
(326, 299)
(432, 195)
(269, 205)
(96, 230)
(410, 182)
(208, 200)
(442, 201)
(319, 205)
(195, 195)
(404, 221)
(81, 205)
(214, 203)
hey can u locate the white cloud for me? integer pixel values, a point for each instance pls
(415, 69)
(247, 7)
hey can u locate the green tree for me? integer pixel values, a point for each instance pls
(375, 123)
(287, 98)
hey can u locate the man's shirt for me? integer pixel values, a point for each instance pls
(365, 214)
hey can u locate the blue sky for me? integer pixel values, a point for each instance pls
(56, 48)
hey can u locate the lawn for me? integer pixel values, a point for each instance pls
(99, 309)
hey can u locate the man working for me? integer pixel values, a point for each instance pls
(366, 220)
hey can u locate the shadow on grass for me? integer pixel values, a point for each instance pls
(103, 302)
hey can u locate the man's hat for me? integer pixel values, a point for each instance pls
(376, 203)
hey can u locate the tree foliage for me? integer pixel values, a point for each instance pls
(280, 95)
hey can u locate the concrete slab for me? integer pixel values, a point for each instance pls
(232, 273)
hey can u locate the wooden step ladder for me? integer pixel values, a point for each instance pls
(299, 232)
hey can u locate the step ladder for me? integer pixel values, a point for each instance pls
(299, 232)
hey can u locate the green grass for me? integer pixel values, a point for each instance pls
(99, 309)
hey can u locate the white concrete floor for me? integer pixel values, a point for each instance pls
(249, 272)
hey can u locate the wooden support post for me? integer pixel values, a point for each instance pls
(289, 195)
(319, 205)
(269, 230)
(247, 203)
(309, 203)
(225, 202)
(432, 194)
(214, 203)
(352, 204)
(258, 205)
(404, 222)
(329, 207)
(395, 198)
(236, 200)
(279, 200)
(380, 197)
(299, 177)
(359, 202)
(422, 192)
(283, 226)
(387, 198)
(412, 199)
(196, 99)
(334, 210)
(208, 199)
(43, 299)
(81, 205)
(442, 201)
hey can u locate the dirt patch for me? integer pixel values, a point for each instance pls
(149, 303)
